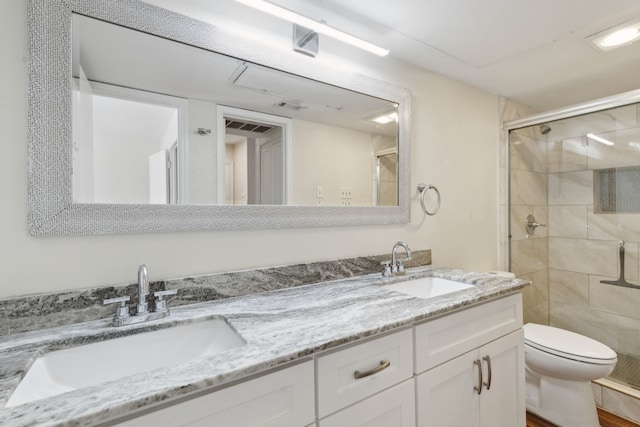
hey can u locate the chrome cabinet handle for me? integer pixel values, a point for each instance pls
(487, 384)
(384, 364)
(478, 388)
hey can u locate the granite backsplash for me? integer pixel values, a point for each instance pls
(31, 312)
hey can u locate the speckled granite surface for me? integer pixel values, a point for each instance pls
(33, 312)
(279, 327)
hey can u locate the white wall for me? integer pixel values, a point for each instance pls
(83, 181)
(202, 153)
(333, 158)
(240, 173)
(454, 146)
(122, 172)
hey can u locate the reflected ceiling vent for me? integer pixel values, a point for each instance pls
(247, 126)
(292, 105)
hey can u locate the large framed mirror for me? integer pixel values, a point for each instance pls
(144, 120)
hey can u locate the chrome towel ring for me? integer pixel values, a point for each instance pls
(422, 188)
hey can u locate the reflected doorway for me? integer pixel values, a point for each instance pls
(126, 145)
(255, 158)
(387, 177)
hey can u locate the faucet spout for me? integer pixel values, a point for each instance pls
(396, 267)
(143, 314)
(394, 255)
(143, 289)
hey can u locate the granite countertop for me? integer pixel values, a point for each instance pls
(278, 326)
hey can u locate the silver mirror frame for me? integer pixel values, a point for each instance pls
(51, 211)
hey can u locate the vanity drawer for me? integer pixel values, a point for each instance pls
(443, 339)
(388, 360)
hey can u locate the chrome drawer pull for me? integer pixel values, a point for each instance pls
(488, 383)
(478, 388)
(384, 364)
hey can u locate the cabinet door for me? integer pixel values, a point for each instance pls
(394, 407)
(443, 339)
(282, 399)
(445, 395)
(503, 404)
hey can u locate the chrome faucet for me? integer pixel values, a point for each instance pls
(396, 267)
(143, 289)
(123, 317)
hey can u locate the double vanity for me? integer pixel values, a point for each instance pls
(355, 351)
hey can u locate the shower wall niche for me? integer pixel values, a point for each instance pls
(581, 179)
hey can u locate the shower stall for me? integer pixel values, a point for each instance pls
(574, 196)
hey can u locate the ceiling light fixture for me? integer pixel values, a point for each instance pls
(599, 139)
(622, 35)
(318, 27)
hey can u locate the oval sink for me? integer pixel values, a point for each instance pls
(91, 364)
(427, 287)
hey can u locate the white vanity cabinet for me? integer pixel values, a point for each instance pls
(283, 398)
(369, 384)
(470, 367)
(464, 369)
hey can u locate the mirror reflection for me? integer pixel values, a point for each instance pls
(160, 122)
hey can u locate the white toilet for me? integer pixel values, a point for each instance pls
(559, 368)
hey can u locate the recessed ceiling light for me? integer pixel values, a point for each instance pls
(620, 37)
(612, 38)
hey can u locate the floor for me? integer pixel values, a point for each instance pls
(607, 419)
(627, 370)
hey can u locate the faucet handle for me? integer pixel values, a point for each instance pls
(161, 303)
(122, 310)
(387, 269)
(161, 294)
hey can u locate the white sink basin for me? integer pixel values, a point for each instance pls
(427, 287)
(86, 365)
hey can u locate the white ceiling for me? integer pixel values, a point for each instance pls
(532, 51)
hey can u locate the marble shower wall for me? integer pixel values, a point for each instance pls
(508, 110)
(529, 195)
(552, 178)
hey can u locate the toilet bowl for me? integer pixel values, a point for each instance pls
(560, 366)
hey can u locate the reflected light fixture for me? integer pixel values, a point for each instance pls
(622, 35)
(599, 139)
(386, 118)
(316, 26)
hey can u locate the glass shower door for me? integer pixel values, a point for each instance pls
(580, 176)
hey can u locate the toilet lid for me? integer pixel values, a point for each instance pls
(567, 344)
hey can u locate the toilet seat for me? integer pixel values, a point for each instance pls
(567, 344)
